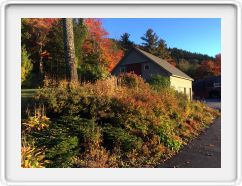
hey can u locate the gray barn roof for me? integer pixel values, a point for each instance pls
(164, 64)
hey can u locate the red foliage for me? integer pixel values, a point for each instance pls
(210, 67)
(97, 42)
(217, 66)
(95, 29)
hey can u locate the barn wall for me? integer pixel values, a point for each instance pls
(182, 85)
(136, 57)
(132, 57)
(154, 69)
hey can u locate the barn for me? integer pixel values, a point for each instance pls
(147, 65)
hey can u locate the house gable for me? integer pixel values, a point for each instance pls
(165, 65)
(130, 58)
(134, 57)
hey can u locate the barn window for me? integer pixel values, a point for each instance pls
(147, 67)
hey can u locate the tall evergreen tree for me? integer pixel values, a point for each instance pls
(69, 46)
(162, 51)
(80, 33)
(150, 39)
(125, 43)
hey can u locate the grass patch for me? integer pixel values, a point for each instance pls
(28, 93)
(27, 96)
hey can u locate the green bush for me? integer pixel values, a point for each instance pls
(118, 136)
(158, 82)
(166, 132)
(26, 67)
(131, 80)
(92, 72)
(67, 138)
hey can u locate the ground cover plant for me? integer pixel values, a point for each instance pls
(114, 122)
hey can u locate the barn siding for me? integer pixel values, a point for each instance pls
(179, 84)
(136, 57)
(132, 57)
(154, 69)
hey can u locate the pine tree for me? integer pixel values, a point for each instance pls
(125, 43)
(161, 50)
(150, 41)
(80, 33)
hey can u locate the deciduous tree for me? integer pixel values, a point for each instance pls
(26, 65)
(40, 28)
(98, 45)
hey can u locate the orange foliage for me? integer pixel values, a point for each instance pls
(95, 29)
(217, 66)
(43, 24)
(210, 67)
(98, 42)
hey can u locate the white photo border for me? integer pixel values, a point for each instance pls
(3, 167)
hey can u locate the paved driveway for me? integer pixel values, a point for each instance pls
(202, 152)
(214, 103)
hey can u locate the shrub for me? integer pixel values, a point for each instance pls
(69, 139)
(131, 80)
(92, 72)
(159, 82)
(116, 123)
(26, 67)
(37, 122)
(118, 136)
(32, 157)
(166, 132)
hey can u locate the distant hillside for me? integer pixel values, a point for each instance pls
(178, 54)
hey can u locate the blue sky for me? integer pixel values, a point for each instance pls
(201, 35)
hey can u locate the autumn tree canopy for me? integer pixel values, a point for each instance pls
(39, 29)
(96, 54)
(97, 42)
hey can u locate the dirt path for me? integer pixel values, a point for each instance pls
(202, 152)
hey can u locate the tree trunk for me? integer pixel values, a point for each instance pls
(41, 67)
(69, 50)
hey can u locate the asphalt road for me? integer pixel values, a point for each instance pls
(202, 152)
(214, 103)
